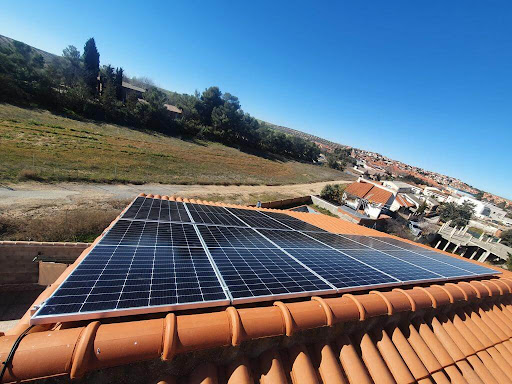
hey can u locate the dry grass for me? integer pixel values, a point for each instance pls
(38, 145)
(73, 226)
(243, 199)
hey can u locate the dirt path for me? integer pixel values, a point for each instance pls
(28, 199)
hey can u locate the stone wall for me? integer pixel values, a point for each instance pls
(19, 260)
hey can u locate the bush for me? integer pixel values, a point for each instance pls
(29, 174)
(333, 193)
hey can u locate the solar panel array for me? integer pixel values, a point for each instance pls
(164, 255)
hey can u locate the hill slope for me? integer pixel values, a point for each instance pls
(42, 146)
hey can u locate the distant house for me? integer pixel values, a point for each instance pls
(437, 194)
(398, 186)
(368, 197)
(130, 89)
(483, 209)
(173, 110)
(404, 204)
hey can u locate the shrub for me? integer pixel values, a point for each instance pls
(29, 174)
(333, 193)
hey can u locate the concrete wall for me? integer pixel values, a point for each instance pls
(325, 205)
(287, 203)
(17, 264)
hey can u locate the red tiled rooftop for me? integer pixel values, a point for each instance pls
(369, 192)
(402, 200)
(431, 333)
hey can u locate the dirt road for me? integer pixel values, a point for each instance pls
(36, 199)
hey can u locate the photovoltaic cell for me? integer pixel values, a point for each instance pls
(370, 242)
(464, 265)
(439, 257)
(157, 209)
(146, 233)
(263, 222)
(232, 237)
(443, 269)
(292, 222)
(131, 278)
(395, 267)
(340, 270)
(156, 258)
(207, 214)
(256, 274)
(292, 239)
(337, 241)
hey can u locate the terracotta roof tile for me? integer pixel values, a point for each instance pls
(403, 201)
(453, 332)
(369, 192)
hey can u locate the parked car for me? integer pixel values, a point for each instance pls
(414, 227)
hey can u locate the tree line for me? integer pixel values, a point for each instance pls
(77, 85)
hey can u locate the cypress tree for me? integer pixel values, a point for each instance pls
(91, 65)
(119, 83)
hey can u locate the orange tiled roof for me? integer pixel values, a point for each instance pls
(403, 201)
(369, 192)
(453, 332)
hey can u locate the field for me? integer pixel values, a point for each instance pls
(38, 145)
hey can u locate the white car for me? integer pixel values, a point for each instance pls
(414, 227)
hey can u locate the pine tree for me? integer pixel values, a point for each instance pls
(91, 65)
(119, 83)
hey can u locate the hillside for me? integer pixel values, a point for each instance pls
(304, 135)
(38, 145)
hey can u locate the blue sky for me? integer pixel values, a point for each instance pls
(427, 83)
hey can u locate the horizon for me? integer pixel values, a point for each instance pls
(377, 89)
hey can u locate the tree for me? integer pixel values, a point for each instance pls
(72, 67)
(91, 65)
(333, 193)
(479, 195)
(459, 215)
(210, 98)
(508, 263)
(332, 162)
(506, 237)
(71, 53)
(119, 83)
(502, 205)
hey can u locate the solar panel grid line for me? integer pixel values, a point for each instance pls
(362, 262)
(405, 261)
(292, 222)
(210, 258)
(127, 274)
(133, 204)
(436, 260)
(298, 261)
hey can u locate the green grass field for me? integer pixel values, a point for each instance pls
(38, 145)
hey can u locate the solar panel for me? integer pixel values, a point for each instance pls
(341, 270)
(147, 233)
(226, 237)
(398, 268)
(292, 222)
(260, 221)
(292, 239)
(443, 269)
(337, 241)
(157, 209)
(113, 280)
(438, 256)
(264, 274)
(207, 214)
(164, 255)
(371, 242)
